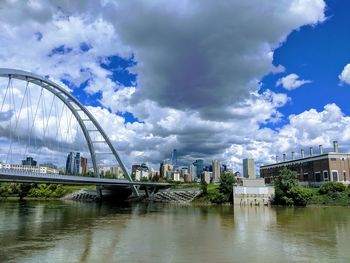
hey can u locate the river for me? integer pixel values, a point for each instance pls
(55, 231)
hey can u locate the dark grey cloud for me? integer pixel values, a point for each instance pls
(203, 55)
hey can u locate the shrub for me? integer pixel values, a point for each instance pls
(285, 200)
(331, 187)
(299, 196)
(218, 198)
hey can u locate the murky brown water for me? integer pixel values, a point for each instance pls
(79, 232)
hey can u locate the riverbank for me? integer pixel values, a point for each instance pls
(209, 197)
(329, 199)
(38, 191)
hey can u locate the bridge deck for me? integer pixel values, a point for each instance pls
(7, 175)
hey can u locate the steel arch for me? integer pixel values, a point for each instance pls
(69, 100)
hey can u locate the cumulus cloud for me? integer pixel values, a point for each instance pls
(310, 128)
(204, 55)
(198, 65)
(291, 82)
(344, 76)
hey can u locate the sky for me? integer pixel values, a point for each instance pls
(222, 80)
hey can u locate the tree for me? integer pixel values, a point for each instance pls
(299, 196)
(24, 190)
(287, 190)
(155, 178)
(226, 183)
(204, 187)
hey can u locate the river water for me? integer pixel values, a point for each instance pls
(54, 231)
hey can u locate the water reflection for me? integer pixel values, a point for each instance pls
(81, 232)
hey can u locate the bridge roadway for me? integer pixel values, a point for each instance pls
(19, 176)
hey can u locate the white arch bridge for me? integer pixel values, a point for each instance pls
(43, 120)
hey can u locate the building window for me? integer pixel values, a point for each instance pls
(325, 176)
(306, 177)
(318, 176)
(344, 174)
(335, 175)
(333, 159)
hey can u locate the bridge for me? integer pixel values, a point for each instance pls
(40, 118)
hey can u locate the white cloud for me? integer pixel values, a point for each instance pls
(345, 75)
(291, 82)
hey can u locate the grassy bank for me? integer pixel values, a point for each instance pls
(333, 198)
(212, 191)
(178, 185)
(37, 191)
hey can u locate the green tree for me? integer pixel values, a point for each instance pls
(155, 178)
(204, 187)
(218, 198)
(226, 183)
(23, 190)
(299, 196)
(287, 190)
(144, 179)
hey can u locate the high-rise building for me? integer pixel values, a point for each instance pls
(199, 164)
(29, 161)
(183, 172)
(83, 165)
(164, 168)
(224, 167)
(216, 170)
(174, 158)
(76, 169)
(73, 164)
(134, 167)
(193, 172)
(249, 168)
(70, 163)
(142, 172)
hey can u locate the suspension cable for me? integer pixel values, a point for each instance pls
(36, 112)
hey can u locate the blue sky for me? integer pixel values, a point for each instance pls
(317, 53)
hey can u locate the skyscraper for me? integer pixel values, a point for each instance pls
(174, 158)
(70, 163)
(76, 163)
(199, 164)
(193, 172)
(73, 164)
(249, 168)
(83, 165)
(216, 171)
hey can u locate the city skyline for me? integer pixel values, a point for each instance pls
(251, 91)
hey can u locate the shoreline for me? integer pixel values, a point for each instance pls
(193, 203)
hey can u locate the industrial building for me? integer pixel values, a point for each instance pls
(313, 169)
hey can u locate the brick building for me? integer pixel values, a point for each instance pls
(314, 169)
